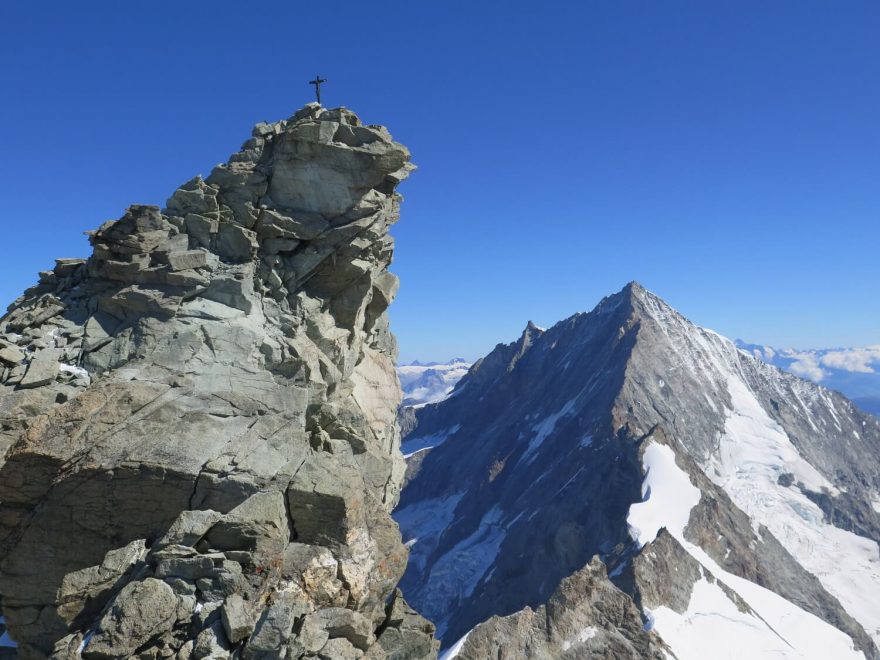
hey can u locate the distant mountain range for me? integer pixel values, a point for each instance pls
(855, 372)
(626, 484)
(430, 382)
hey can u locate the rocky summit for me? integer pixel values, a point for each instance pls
(198, 445)
(627, 484)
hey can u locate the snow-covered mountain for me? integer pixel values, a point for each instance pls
(431, 382)
(855, 372)
(628, 484)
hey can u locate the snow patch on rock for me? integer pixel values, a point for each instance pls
(753, 452)
(713, 624)
(545, 427)
(583, 636)
(413, 445)
(454, 576)
(455, 649)
(72, 369)
(667, 497)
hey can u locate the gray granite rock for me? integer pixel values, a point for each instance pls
(141, 611)
(586, 617)
(187, 259)
(238, 618)
(10, 355)
(42, 369)
(406, 635)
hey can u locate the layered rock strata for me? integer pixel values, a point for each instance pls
(198, 446)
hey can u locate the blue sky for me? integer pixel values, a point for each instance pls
(724, 154)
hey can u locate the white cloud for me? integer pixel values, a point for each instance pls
(858, 360)
(807, 366)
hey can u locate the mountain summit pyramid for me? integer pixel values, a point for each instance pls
(198, 446)
(627, 483)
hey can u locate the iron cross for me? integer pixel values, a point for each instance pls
(317, 83)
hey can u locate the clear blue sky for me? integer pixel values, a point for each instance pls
(724, 154)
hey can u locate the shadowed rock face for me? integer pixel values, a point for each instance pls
(532, 466)
(198, 445)
(586, 617)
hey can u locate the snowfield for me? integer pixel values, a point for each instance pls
(455, 574)
(752, 454)
(668, 497)
(423, 523)
(713, 626)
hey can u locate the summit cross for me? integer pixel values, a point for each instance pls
(317, 83)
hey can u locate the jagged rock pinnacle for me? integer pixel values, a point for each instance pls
(198, 450)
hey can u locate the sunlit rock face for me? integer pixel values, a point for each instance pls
(198, 442)
(733, 505)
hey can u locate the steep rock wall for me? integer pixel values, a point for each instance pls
(198, 445)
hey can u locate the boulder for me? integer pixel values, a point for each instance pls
(10, 355)
(236, 243)
(238, 619)
(43, 369)
(188, 259)
(142, 611)
(201, 229)
(212, 643)
(67, 267)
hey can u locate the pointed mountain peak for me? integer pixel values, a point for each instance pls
(633, 288)
(643, 305)
(631, 294)
(529, 334)
(635, 293)
(531, 329)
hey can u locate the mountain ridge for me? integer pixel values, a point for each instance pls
(851, 371)
(595, 388)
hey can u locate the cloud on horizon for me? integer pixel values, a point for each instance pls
(857, 360)
(852, 360)
(807, 366)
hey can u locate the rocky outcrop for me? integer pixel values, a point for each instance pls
(586, 617)
(198, 443)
